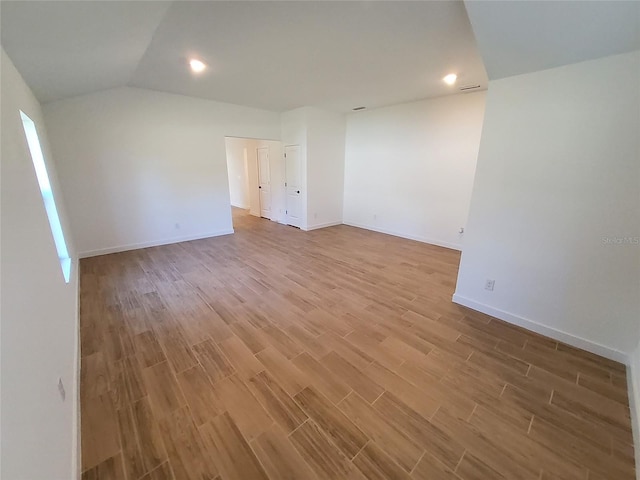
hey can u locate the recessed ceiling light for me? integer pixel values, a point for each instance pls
(196, 65)
(450, 79)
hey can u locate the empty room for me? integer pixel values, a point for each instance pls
(314, 240)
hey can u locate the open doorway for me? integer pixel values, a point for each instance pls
(256, 178)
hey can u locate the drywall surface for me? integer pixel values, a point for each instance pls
(141, 168)
(238, 151)
(325, 167)
(38, 309)
(554, 216)
(242, 152)
(409, 168)
(276, 167)
(294, 132)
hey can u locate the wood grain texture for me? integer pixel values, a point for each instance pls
(132, 458)
(188, 455)
(324, 458)
(198, 390)
(236, 398)
(330, 385)
(342, 431)
(277, 402)
(147, 430)
(110, 469)
(165, 394)
(163, 472)
(213, 361)
(377, 426)
(230, 450)
(275, 353)
(279, 457)
(430, 468)
(375, 464)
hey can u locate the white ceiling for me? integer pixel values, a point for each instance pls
(68, 48)
(272, 55)
(526, 36)
(282, 55)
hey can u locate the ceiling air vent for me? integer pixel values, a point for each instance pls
(469, 87)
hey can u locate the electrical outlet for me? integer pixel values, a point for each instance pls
(489, 284)
(375, 216)
(63, 393)
(177, 226)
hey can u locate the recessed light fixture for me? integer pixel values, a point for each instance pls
(196, 65)
(450, 79)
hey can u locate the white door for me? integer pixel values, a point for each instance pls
(292, 176)
(264, 182)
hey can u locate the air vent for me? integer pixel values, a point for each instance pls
(358, 108)
(469, 87)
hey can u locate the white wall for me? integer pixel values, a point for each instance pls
(409, 168)
(320, 135)
(559, 172)
(38, 309)
(238, 150)
(325, 168)
(252, 162)
(140, 167)
(294, 132)
(276, 165)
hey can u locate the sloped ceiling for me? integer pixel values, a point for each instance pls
(69, 48)
(272, 55)
(282, 55)
(518, 37)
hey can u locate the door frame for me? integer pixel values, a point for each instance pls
(286, 193)
(260, 186)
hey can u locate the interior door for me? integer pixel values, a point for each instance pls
(292, 178)
(264, 182)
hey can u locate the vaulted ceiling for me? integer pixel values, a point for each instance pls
(272, 55)
(526, 36)
(282, 55)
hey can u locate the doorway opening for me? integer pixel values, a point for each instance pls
(256, 179)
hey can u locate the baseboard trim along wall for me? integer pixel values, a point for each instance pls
(633, 387)
(243, 207)
(321, 225)
(559, 335)
(76, 453)
(153, 243)
(430, 241)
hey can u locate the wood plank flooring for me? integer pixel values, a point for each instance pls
(275, 353)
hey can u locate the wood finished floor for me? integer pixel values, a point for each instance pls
(335, 354)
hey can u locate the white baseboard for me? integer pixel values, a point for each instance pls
(633, 387)
(321, 225)
(417, 238)
(76, 438)
(152, 243)
(559, 335)
(243, 207)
